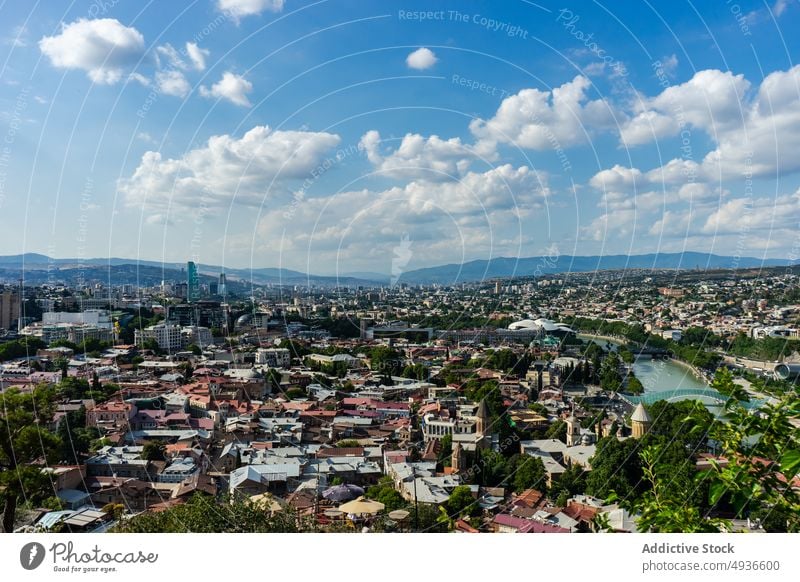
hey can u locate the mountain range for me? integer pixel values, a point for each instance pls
(40, 268)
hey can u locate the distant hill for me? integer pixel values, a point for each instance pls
(503, 267)
(41, 269)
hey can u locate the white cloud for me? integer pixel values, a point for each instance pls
(197, 56)
(646, 127)
(677, 171)
(18, 37)
(742, 215)
(227, 169)
(546, 120)
(173, 57)
(173, 83)
(480, 214)
(240, 8)
(145, 137)
(755, 132)
(421, 59)
(616, 178)
(104, 48)
(158, 219)
(780, 7)
(232, 87)
(417, 156)
(139, 78)
(711, 100)
(669, 64)
(673, 223)
(698, 192)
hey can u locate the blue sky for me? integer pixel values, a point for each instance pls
(320, 136)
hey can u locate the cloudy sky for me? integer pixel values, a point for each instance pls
(334, 136)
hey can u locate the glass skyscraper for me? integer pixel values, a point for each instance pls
(192, 282)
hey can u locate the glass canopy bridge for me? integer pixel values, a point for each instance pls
(683, 394)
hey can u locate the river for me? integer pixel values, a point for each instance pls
(660, 375)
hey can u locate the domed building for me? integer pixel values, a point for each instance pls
(640, 421)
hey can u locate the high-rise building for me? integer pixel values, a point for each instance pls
(192, 282)
(9, 307)
(222, 289)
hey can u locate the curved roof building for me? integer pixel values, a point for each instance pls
(541, 325)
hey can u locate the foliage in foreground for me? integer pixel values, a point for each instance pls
(204, 514)
(758, 463)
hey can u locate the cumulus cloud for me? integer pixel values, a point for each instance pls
(421, 59)
(773, 215)
(241, 8)
(616, 178)
(104, 48)
(432, 157)
(197, 56)
(172, 83)
(227, 169)
(171, 55)
(755, 133)
(543, 120)
(711, 100)
(481, 213)
(231, 87)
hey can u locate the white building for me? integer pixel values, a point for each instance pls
(94, 317)
(672, 334)
(168, 337)
(274, 357)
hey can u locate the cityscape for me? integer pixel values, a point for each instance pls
(508, 405)
(335, 267)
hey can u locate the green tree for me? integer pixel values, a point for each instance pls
(616, 469)
(24, 443)
(538, 408)
(685, 421)
(151, 344)
(626, 355)
(724, 384)
(461, 502)
(529, 473)
(347, 443)
(293, 393)
(634, 385)
(446, 452)
(76, 438)
(610, 378)
(384, 492)
(203, 514)
(557, 430)
(664, 508)
(762, 453)
(154, 451)
(571, 482)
